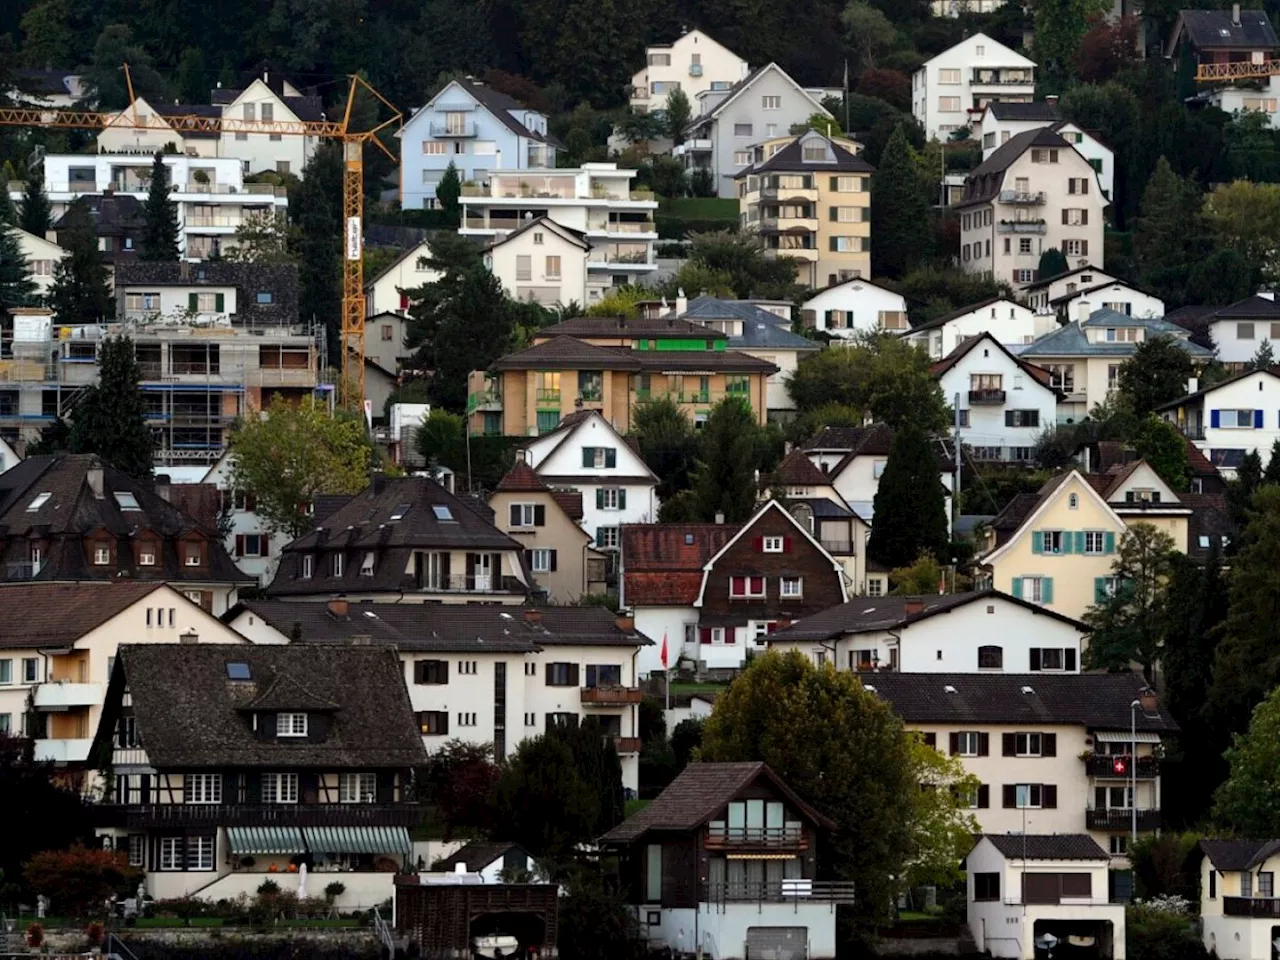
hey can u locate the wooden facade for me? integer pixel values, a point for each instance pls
(440, 919)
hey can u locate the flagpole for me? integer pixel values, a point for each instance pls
(846, 97)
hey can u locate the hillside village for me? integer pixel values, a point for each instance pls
(479, 506)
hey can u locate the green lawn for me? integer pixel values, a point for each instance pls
(635, 806)
(701, 208)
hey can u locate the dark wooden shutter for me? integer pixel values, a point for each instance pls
(1035, 658)
(444, 569)
(984, 744)
(514, 514)
(1049, 745)
(540, 515)
(308, 787)
(704, 634)
(1077, 885)
(599, 498)
(553, 553)
(265, 544)
(757, 544)
(954, 743)
(610, 457)
(549, 677)
(1084, 219)
(444, 722)
(622, 499)
(984, 796)
(786, 544)
(1049, 796)
(573, 674)
(386, 786)
(419, 671)
(220, 302)
(239, 544)
(1069, 658)
(1084, 248)
(588, 457)
(1010, 799)
(1008, 745)
(193, 302)
(528, 559)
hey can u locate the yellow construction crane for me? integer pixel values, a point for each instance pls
(353, 142)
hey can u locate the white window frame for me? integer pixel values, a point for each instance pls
(291, 725)
(791, 588)
(608, 538)
(1046, 542)
(358, 788)
(1027, 790)
(540, 559)
(200, 851)
(284, 788)
(1094, 542)
(1028, 745)
(746, 590)
(173, 851)
(609, 498)
(771, 103)
(772, 544)
(202, 788)
(967, 742)
(527, 514)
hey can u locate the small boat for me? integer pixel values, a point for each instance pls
(490, 947)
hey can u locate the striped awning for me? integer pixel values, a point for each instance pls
(393, 840)
(266, 840)
(1111, 736)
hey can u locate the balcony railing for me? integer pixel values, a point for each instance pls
(986, 395)
(987, 78)
(1019, 196)
(627, 744)
(20, 570)
(464, 129)
(1121, 819)
(1020, 226)
(462, 583)
(547, 395)
(841, 546)
(487, 400)
(207, 815)
(780, 891)
(1117, 765)
(591, 396)
(790, 836)
(610, 695)
(1265, 907)
(697, 396)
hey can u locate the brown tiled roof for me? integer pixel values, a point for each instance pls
(1200, 465)
(202, 721)
(62, 613)
(200, 501)
(700, 792)
(521, 479)
(570, 502)
(1047, 846)
(647, 589)
(662, 562)
(984, 182)
(797, 470)
(640, 328)
(567, 353)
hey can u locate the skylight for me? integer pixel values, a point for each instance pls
(238, 671)
(400, 510)
(127, 500)
(40, 500)
(441, 511)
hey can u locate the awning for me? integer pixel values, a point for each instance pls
(1112, 736)
(266, 840)
(394, 840)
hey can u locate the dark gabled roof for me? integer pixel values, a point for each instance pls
(1015, 512)
(1233, 855)
(1215, 29)
(761, 330)
(874, 439)
(44, 83)
(112, 214)
(568, 353)
(1046, 846)
(1210, 518)
(499, 104)
(701, 361)
(1099, 701)
(988, 176)
(797, 470)
(476, 855)
(791, 158)
(444, 627)
(1255, 307)
(700, 792)
(576, 237)
(877, 614)
(203, 721)
(963, 311)
(1035, 111)
(1205, 391)
(1038, 374)
(635, 328)
(1045, 281)
(59, 614)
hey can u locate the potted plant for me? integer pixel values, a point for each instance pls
(95, 933)
(333, 891)
(35, 936)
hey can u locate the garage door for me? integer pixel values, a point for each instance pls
(777, 943)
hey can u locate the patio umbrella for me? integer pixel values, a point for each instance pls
(302, 881)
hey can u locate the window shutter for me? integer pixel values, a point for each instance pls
(1049, 796)
(599, 535)
(1017, 588)
(1099, 589)
(756, 585)
(219, 302)
(1008, 744)
(193, 302)
(540, 515)
(444, 722)
(622, 499)
(588, 457)
(1108, 543)
(984, 744)
(573, 674)
(1066, 541)
(610, 457)
(954, 744)
(1079, 538)
(599, 498)
(1257, 419)
(1064, 216)
(757, 544)
(1048, 745)
(1215, 418)
(265, 541)
(786, 544)
(1046, 592)
(1084, 248)
(704, 634)
(1069, 659)
(730, 635)
(419, 671)
(1010, 799)
(1008, 418)
(931, 740)
(515, 515)
(1015, 274)
(206, 600)
(832, 214)
(549, 674)
(1084, 222)
(553, 560)
(239, 544)
(984, 796)
(528, 559)
(835, 184)
(1035, 659)
(1037, 542)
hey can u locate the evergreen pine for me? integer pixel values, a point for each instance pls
(37, 213)
(909, 510)
(1052, 263)
(160, 213)
(901, 222)
(8, 213)
(724, 480)
(1167, 235)
(1272, 474)
(16, 288)
(80, 293)
(110, 419)
(447, 192)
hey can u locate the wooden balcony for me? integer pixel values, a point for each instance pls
(788, 837)
(783, 891)
(993, 397)
(1119, 766)
(1265, 907)
(625, 745)
(610, 696)
(1120, 820)
(212, 815)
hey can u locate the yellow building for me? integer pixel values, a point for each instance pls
(610, 364)
(1057, 547)
(809, 198)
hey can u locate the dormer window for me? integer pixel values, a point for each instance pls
(101, 553)
(291, 724)
(337, 564)
(146, 554)
(126, 500)
(366, 565)
(308, 566)
(191, 554)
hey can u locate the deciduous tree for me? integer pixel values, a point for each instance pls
(1060, 26)
(1245, 217)
(869, 31)
(1125, 616)
(458, 782)
(160, 213)
(110, 417)
(1248, 804)
(295, 453)
(910, 505)
(80, 880)
(264, 237)
(1158, 442)
(1157, 372)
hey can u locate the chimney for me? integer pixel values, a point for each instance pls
(339, 607)
(1082, 310)
(1235, 14)
(625, 624)
(912, 606)
(1147, 698)
(93, 477)
(720, 518)
(1051, 99)
(781, 625)
(682, 302)
(1193, 384)
(533, 616)
(163, 487)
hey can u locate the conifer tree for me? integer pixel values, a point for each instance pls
(909, 510)
(724, 479)
(901, 222)
(16, 287)
(110, 419)
(80, 293)
(37, 213)
(160, 227)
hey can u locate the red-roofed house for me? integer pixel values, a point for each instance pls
(715, 590)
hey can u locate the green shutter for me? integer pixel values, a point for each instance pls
(1046, 591)
(219, 302)
(599, 498)
(1099, 589)
(610, 457)
(1109, 543)
(1079, 537)
(1036, 542)
(193, 302)
(622, 499)
(1017, 587)
(588, 457)
(1066, 541)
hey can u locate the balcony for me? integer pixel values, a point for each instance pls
(63, 751)
(987, 396)
(63, 695)
(548, 395)
(610, 696)
(20, 570)
(695, 69)
(1119, 766)
(465, 129)
(698, 396)
(782, 891)
(287, 376)
(486, 400)
(462, 583)
(625, 745)
(790, 836)
(1267, 908)
(1017, 196)
(1020, 226)
(210, 815)
(998, 78)
(838, 546)
(1120, 819)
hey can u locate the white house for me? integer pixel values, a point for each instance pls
(1238, 904)
(854, 306)
(854, 458)
(492, 862)
(967, 76)
(41, 255)
(980, 632)
(1010, 323)
(268, 97)
(1100, 156)
(693, 63)
(1003, 402)
(544, 262)
(385, 292)
(248, 540)
(1041, 292)
(585, 453)
(1231, 418)
(1112, 295)
(48, 87)
(1238, 330)
(480, 673)
(1001, 121)
(1029, 893)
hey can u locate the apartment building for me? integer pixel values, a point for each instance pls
(210, 193)
(68, 517)
(1238, 904)
(1034, 193)
(56, 658)
(1011, 324)
(1085, 355)
(596, 200)
(1002, 402)
(965, 78)
(1231, 418)
(262, 756)
(694, 63)
(543, 262)
(479, 130)
(811, 201)
(1053, 754)
(41, 256)
(479, 673)
(609, 364)
(855, 306)
(764, 105)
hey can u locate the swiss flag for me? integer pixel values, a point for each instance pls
(665, 658)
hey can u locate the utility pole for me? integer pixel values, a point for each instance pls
(957, 460)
